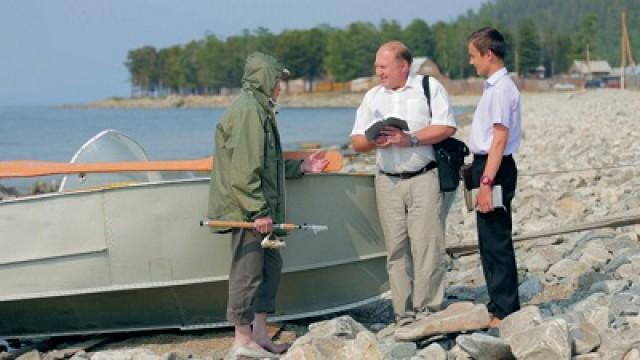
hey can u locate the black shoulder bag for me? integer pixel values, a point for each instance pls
(449, 153)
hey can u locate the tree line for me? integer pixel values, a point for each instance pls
(551, 33)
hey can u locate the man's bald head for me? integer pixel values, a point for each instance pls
(393, 61)
(400, 50)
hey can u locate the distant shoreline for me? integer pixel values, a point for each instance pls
(316, 100)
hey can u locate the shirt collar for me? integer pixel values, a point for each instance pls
(493, 79)
(412, 81)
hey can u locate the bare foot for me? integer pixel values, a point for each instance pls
(494, 321)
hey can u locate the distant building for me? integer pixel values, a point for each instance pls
(425, 66)
(595, 69)
(537, 73)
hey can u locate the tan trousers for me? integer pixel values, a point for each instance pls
(411, 214)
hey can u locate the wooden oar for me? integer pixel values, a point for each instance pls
(30, 168)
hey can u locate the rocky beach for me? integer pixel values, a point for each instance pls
(579, 163)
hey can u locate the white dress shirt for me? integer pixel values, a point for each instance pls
(499, 104)
(408, 103)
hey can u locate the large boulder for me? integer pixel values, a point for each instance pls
(457, 317)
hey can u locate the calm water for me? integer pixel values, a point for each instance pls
(46, 133)
(55, 134)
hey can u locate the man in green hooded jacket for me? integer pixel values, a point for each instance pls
(247, 184)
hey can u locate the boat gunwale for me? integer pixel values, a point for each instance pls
(120, 186)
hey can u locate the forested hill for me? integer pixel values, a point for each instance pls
(570, 17)
(552, 33)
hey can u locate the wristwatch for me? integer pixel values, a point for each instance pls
(414, 139)
(485, 180)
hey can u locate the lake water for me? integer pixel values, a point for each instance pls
(55, 134)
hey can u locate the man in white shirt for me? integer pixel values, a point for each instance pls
(407, 187)
(495, 136)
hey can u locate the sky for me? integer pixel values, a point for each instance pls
(73, 51)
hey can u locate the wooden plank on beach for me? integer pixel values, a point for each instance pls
(629, 218)
(31, 168)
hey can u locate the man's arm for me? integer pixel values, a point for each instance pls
(494, 159)
(429, 135)
(434, 134)
(360, 143)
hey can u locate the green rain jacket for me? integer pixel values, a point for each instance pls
(247, 180)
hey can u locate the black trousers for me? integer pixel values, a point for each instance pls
(495, 241)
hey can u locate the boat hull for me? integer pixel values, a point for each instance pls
(134, 257)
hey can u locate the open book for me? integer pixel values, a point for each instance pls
(373, 131)
(470, 199)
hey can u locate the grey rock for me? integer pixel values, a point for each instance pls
(530, 288)
(80, 355)
(403, 350)
(625, 271)
(595, 254)
(457, 317)
(584, 335)
(456, 353)
(586, 280)
(610, 286)
(633, 354)
(342, 327)
(526, 318)
(615, 263)
(614, 345)
(541, 258)
(319, 348)
(589, 356)
(569, 206)
(54, 355)
(595, 234)
(566, 269)
(484, 347)
(31, 355)
(593, 300)
(433, 352)
(364, 346)
(130, 354)
(549, 340)
(335, 339)
(174, 356)
(624, 304)
(597, 316)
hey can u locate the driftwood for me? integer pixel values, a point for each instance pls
(630, 218)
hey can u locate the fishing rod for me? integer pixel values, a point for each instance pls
(271, 241)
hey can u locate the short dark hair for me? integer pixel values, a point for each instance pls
(488, 39)
(405, 54)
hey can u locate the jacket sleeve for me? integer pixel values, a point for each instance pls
(247, 142)
(292, 169)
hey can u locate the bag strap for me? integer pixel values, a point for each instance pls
(427, 92)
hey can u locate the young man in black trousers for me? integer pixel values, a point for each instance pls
(495, 136)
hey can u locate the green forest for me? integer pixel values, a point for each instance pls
(552, 33)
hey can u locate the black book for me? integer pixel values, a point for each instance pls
(373, 131)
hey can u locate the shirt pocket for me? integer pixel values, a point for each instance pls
(417, 114)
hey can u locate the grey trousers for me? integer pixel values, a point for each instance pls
(412, 218)
(253, 279)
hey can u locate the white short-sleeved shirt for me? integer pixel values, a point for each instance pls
(499, 104)
(408, 103)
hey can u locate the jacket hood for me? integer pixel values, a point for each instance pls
(261, 72)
